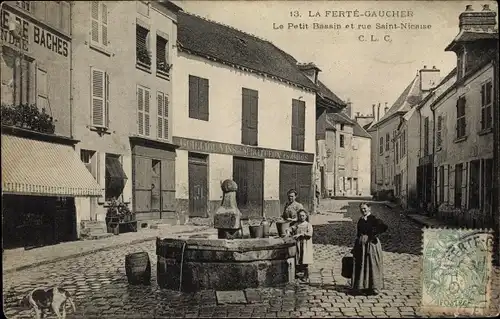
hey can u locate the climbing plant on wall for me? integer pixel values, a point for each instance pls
(27, 116)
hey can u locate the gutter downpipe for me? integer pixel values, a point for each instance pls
(434, 178)
(71, 71)
(496, 155)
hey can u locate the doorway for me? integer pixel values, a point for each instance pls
(298, 177)
(198, 184)
(248, 173)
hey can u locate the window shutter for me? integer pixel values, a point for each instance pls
(483, 97)
(446, 181)
(95, 21)
(302, 125)
(254, 116)
(464, 183)
(438, 183)
(106, 110)
(203, 99)
(193, 96)
(140, 110)
(98, 99)
(166, 104)
(451, 184)
(295, 124)
(159, 126)
(147, 96)
(104, 24)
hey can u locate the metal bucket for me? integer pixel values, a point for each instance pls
(282, 226)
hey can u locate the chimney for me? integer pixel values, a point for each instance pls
(373, 110)
(429, 78)
(386, 108)
(378, 112)
(348, 109)
(310, 70)
(477, 21)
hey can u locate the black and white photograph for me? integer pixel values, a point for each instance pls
(250, 159)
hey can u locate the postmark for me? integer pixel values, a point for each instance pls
(456, 271)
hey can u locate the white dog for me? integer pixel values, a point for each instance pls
(42, 300)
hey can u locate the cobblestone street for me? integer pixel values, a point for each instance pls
(100, 286)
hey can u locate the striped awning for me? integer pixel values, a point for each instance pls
(33, 167)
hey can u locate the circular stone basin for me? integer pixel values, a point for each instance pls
(224, 264)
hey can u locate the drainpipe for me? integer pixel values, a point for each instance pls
(71, 71)
(434, 183)
(496, 154)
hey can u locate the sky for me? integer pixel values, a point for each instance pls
(368, 71)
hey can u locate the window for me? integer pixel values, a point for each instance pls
(341, 127)
(396, 149)
(474, 186)
(24, 5)
(486, 105)
(387, 141)
(342, 140)
(99, 21)
(162, 64)
(250, 116)
(403, 143)
(381, 146)
(298, 124)
(115, 177)
(163, 115)
(143, 56)
(461, 124)
(439, 130)
(198, 98)
(18, 81)
(143, 103)
(426, 136)
(488, 186)
(100, 98)
(86, 156)
(458, 185)
(341, 162)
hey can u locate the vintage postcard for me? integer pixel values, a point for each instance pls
(250, 158)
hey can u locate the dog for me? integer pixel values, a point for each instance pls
(46, 300)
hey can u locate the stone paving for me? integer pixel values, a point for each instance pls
(100, 286)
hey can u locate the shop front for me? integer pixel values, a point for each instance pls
(263, 177)
(41, 176)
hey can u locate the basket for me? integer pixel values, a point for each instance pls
(347, 266)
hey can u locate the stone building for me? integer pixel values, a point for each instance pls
(41, 172)
(247, 114)
(384, 131)
(463, 136)
(342, 146)
(122, 63)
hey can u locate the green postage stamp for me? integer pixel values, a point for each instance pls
(456, 272)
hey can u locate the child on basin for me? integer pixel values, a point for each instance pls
(302, 231)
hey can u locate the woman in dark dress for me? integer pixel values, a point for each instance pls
(368, 272)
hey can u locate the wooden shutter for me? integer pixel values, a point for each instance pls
(94, 21)
(98, 97)
(168, 185)
(160, 107)
(438, 183)
(451, 184)
(193, 97)
(203, 98)
(302, 125)
(140, 110)
(166, 116)
(465, 175)
(106, 109)
(147, 96)
(249, 134)
(446, 181)
(104, 24)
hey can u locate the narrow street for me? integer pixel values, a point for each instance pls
(101, 290)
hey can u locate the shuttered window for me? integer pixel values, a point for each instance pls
(426, 136)
(99, 23)
(486, 105)
(458, 185)
(162, 63)
(142, 45)
(387, 141)
(143, 108)
(461, 123)
(439, 130)
(249, 117)
(403, 143)
(381, 146)
(298, 124)
(100, 98)
(162, 125)
(198, 98)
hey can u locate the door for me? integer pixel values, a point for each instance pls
(143, 188)
(168, 202)
(249, 176)
(198, 185)
(299, 177)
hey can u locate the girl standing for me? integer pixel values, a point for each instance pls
(302, 231)
(367, 252)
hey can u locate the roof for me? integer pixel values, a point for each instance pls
(359, 131)
(326, 92)
(365, 127)
(340, 118)
(465, 36)
(410, 96)
(34, 167)
(228, 45)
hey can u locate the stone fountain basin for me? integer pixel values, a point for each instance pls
(225, 264)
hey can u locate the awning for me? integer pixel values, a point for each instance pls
(114, 168)
(33, 167)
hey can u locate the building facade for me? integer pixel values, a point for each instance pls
(464, 117)
(225, 121)
(122, 61)
(41, 172)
